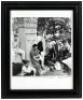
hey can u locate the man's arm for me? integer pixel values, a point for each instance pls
(37, 57)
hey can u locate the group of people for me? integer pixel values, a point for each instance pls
(40, 60)
(42, 57)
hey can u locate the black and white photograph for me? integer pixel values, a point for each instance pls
(41, 49)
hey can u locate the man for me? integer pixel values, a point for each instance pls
(41, 48)
(17, 56)
(50, 56)
(18, 51)
(26, 70)
(35, 59)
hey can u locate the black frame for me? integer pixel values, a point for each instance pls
(6, 6)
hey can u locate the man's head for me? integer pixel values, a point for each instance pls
(25, 62)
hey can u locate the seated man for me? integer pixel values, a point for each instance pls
(17, 51)
(35, 59)
(26, 70)
(17, 55)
